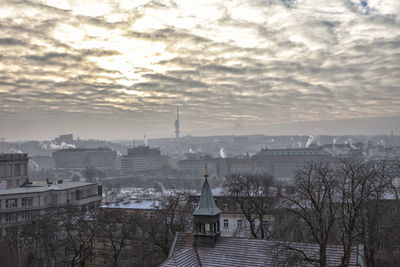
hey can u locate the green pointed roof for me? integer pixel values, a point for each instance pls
(207, 205)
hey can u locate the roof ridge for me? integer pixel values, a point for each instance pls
(197, 254)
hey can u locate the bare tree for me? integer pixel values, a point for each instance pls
(257, 195)
(79, 231)
(117, 230)
(170, 217)
(357, 181)
(313, 204)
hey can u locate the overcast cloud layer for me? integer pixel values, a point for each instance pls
(116, 69)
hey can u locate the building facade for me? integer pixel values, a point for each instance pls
(80, 158)
(13, 170)
(33, 199)
(139, 159)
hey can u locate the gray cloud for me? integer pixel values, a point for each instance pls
(252, 62)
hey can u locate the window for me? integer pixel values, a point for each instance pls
(54, 199)
(3, 171)
(239, 224)
(27, 201)
(123, 260)
(146, 215)
(17, 170)
(105, 259)
(27, 215)
(11, 217)
(238, 206)
(11, 203)
(193, 205)
(226, 224)
(151, 215)
(225, 206)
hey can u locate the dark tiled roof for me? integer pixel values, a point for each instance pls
(231, 252)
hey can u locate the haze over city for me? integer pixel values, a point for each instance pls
(202, 133)
(118, 69)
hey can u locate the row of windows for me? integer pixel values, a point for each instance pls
(149, 215)
(13, 217)
(11, 170)
(13, 203)
(225, 205)
(239, 224)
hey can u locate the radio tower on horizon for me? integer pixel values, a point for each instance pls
(177, 123)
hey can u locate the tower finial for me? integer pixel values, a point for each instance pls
(206, 173)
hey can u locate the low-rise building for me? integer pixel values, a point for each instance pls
(33, 199)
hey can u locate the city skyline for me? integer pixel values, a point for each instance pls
(118, 69)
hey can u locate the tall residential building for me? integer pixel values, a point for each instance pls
(177, 123)
(13, 170)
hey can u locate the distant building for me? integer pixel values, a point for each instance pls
(33, 199)
(66, 138)
(80, 158)
(13, 170)
(43, 162)
(282, 163)
(139, 159)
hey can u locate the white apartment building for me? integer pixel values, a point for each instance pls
(22, 204)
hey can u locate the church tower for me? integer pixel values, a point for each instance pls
(206, 228)
(177, 123)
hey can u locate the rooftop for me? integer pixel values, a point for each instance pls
(14, 156)
(135, 204)
(230, 251)
(207, 205)
(217, 192)
(37, 187)
(84, 149)
(291, 151)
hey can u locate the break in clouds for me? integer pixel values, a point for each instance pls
(81, 63)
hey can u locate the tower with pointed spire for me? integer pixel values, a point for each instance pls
(206, 227)
(177, 123)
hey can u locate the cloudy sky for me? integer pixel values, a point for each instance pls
(118, 69)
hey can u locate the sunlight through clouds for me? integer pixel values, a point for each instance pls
(232, 61)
